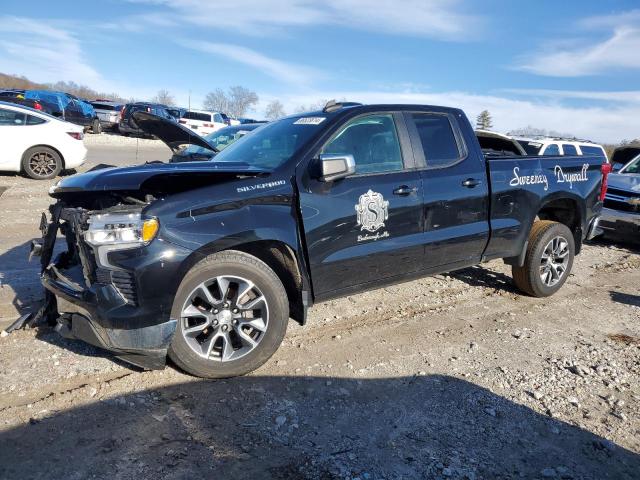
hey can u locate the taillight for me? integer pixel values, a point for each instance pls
(76, 135)
(37, 106)
(122, 113)
(606, 169)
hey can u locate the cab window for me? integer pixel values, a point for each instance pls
(12, 118)
(437, 138)
(33, 120)
(373, 142)
(552, 149)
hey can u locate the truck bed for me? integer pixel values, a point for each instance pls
(523, 186)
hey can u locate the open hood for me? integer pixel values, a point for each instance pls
(170, 132)
(153, 177)
(624, 155)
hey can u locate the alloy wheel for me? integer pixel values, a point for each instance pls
(43, 164)
(224, 318)
(553, 264)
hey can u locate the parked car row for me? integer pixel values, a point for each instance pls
(61, 105)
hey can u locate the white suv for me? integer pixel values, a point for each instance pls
(560, 146)
(202, 122)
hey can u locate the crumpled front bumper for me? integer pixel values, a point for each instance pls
(125, 307)
(88, 315)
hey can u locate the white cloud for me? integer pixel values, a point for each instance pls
(42, 52)
(290, 73)
(607, 123)
(617, 50)
(440, 19)
(629, 96)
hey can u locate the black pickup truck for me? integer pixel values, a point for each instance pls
(206, 261)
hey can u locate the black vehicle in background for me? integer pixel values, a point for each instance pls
(128, 126)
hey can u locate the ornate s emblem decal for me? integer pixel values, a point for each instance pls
(372, 210)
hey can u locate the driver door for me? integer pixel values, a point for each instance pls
(366, 228)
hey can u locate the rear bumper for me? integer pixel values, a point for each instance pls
(616, 222)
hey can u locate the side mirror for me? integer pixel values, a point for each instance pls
(616, 167)
(336, 166)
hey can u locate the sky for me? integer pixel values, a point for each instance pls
(570, 66)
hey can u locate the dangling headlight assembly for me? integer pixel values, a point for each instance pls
(120, 230)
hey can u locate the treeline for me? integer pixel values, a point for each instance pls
(81, 91)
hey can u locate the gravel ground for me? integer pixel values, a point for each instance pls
(453, 376)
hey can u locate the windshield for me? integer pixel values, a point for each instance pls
(633, 167)
(220, 139)
(274, 144)
(532, 148)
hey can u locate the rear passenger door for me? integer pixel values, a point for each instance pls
(368, 227)
(455, 189)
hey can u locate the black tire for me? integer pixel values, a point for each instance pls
(529, 277)
(234, 264)
(96, 127)
(41, 163)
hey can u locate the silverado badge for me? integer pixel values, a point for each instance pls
(372, 210)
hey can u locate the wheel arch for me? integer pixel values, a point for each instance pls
(279, 255)
(567, 210)
(43, 145)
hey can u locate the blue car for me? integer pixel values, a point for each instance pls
(67, 107)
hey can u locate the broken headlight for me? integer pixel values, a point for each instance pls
(120, 230)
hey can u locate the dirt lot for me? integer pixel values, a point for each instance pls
(455, 376)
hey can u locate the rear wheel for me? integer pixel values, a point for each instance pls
(232, 312)
(95, 126)
(41, 163)
(548, 260)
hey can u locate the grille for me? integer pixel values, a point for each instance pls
(123, 281)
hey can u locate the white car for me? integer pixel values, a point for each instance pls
(202, 122)
(560, 146)
(38, 144)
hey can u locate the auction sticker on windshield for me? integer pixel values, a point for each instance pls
(309, 121)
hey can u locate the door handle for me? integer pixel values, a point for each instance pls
(404, 190)
(471, 183)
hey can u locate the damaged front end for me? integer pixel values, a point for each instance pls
(103, 287)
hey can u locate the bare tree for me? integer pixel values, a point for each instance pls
(531, 131)
(164, 97)
(317, 105)
(236, 102)
(217, 101)
(275, 110)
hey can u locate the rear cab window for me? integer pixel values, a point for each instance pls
(592, 151)
(437, 136)
(532, 148)
(551, 149)
(203, 117)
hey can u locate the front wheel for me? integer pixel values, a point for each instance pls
(232, 312)
(96, 127)
(548, 260)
